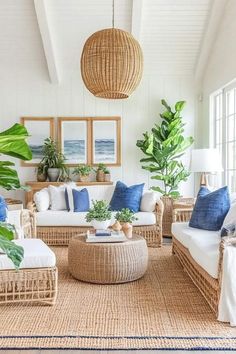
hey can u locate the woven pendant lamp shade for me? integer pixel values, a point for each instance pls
(111, 63)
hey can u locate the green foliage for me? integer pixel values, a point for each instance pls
(101, 167)
(125, 215)
(163, 148)
(13, 251)
(99, 211)
(82, 170)
(12, 143)
(53, 158)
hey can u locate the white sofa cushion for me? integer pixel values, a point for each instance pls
(36, 255)
(203, 245)
(42, 199)
(148, 201)
(57, 197)
(63, 218)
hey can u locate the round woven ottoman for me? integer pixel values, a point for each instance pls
(107, 263)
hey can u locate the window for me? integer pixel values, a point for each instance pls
(223, 134)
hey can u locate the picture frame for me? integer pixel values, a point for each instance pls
(39, 128)
(106, 141)
(74, 139)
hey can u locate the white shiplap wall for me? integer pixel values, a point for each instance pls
(25, 89)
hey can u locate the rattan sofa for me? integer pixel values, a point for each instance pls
(32, 284)
(59, 231)
(209, 287)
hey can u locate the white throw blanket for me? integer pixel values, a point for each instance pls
(227, 304)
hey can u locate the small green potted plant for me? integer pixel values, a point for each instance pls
(125, 218)
(83, 171)
(99, 215)
(41, 173)
(107, 175)
(53, 160)
(100, 172)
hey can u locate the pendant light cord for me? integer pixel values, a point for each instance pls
(113, 13)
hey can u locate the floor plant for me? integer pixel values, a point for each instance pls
(12, 143)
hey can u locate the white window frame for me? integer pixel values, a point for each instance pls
(223, 143)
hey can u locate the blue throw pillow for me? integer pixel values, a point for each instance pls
(210, 209)
(80, 200)
(127, 197)
(3, 209)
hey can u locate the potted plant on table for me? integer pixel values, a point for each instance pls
(54, 161)
(12, 143)
(125, 218)
(107, 175)
(163, 147)
(83, 171)
(99, 215)
(41, 173)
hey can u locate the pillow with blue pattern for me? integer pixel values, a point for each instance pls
(3, 209)
(210, 209)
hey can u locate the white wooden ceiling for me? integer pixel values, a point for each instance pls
(171, 32)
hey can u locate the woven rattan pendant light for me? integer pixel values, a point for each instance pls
(111, 63)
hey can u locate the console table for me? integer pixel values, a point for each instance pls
(37, 186)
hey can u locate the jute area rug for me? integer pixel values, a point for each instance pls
(163, 310)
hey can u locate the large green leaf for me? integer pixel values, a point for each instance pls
(8, 177)
(14, 252)
(179, 106)
(12, 142)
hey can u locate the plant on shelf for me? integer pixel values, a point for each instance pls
(124, 219)
(163, 148)
(100, 172)
(107, 175)
(41, 173)
(54, 162)
(12, 143)
(83, 171)
(99, 214)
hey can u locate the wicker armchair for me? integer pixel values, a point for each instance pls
(28, 285)
(208, 286)
(61, 235)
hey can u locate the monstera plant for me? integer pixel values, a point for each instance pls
(12, 143)
(163, 148)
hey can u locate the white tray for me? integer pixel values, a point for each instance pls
(115, 237)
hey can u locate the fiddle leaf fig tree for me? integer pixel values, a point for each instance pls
(12, 143)
(163, 147)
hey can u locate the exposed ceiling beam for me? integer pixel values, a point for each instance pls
(136, 18)
(46, 35)
(209, 37)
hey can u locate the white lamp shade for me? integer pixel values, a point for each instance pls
(205, 160)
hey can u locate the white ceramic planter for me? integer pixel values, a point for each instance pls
(53, 174)
(100, 225)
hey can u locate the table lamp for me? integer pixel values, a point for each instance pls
(205, 161)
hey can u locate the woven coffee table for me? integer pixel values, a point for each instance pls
(108, 263)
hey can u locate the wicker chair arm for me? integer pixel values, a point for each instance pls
(28, 223)
(182, 214)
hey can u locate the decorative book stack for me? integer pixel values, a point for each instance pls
(102, 236)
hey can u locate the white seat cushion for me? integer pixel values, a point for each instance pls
(64, 218)
(203, 245)
(36, 255)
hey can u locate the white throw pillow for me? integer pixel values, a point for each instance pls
(230, 218)
(14, 218)
(57, 197)
(42, 200)
(148, 201)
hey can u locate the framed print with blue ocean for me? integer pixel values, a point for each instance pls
(106, 141)
(39, 128)
(73, 136)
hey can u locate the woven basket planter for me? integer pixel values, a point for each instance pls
(111, 63)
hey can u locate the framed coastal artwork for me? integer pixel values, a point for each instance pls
(39, 128)
(73, 137)
(106, 141)
(90, 140)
